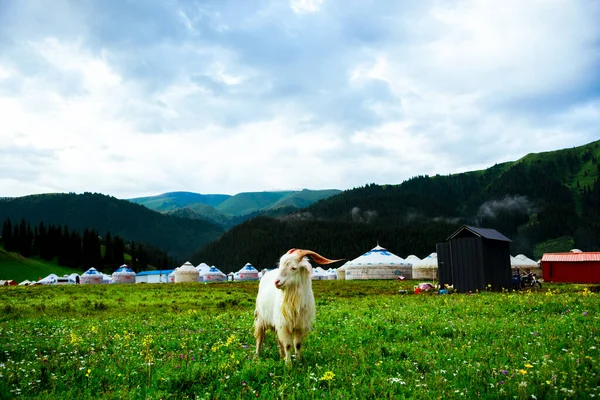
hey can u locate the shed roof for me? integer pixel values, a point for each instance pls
(485, 233)
(571, 257)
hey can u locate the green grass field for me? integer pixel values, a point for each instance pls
(369, 341)
(16, 267)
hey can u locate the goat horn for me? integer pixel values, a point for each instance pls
(319, 259)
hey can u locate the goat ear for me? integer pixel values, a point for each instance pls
(310, 271)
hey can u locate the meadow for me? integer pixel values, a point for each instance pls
(369, 341)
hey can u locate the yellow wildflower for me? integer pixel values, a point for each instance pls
(522, 371)
(328, 376)
(528, 365)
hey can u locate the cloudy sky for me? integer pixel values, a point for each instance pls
(141, 97)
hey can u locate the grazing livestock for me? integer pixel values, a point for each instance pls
(285, 301)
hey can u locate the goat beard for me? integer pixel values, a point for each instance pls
(293, 302)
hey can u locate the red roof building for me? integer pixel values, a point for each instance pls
(571, 267)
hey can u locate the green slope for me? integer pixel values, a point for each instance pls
(174, 200)
(304, 198)
(245, 203)
(178, 236)
(16, 267)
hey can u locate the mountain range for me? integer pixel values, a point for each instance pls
(544, 202)
(226, 210)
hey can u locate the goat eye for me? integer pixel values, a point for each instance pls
(294, 268)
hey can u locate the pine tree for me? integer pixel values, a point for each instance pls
(7, 235)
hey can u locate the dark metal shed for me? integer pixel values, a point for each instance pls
(473, 258)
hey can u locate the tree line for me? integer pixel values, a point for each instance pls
(78, 250)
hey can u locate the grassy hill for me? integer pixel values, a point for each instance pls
(174, 200)
(178, 236)
(223, 209)
(246, 203)
(16, 267)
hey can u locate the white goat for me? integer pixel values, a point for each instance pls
(285, 301)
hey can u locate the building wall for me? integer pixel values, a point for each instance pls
(572, 272)
(473, 263)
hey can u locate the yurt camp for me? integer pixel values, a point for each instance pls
(123, 274)
(213, 275)
(426, 268)
(186, 273)
(247, 273)
(92, 276)
(378, 263)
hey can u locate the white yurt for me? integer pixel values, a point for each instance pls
(412, 259)
(202, 268)
(92, 276)
(529, 265)
(171, 277)
(49, 280)
(26, 282)
(378, 263)
(247, 273)
(426, 268)
(186, 273)
(123, 274)
(213, 275)
(319, 274)
(264, 271)
(332, 273)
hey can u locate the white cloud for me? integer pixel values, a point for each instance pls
(137, 99)
(306, 6)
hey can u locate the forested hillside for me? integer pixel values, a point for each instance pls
(533, 201)
(178, 236)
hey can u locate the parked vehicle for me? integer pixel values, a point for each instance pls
(523, 280)
(529, 280)
(64, 281)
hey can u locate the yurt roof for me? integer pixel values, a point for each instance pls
(187, 267)
(248, 268)
(92, 271)
(515, 262)
(412, 259)
(124, 270)
(214, 270)
(203, 267)
(526, 260)
(377, 256)
(428, 262)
